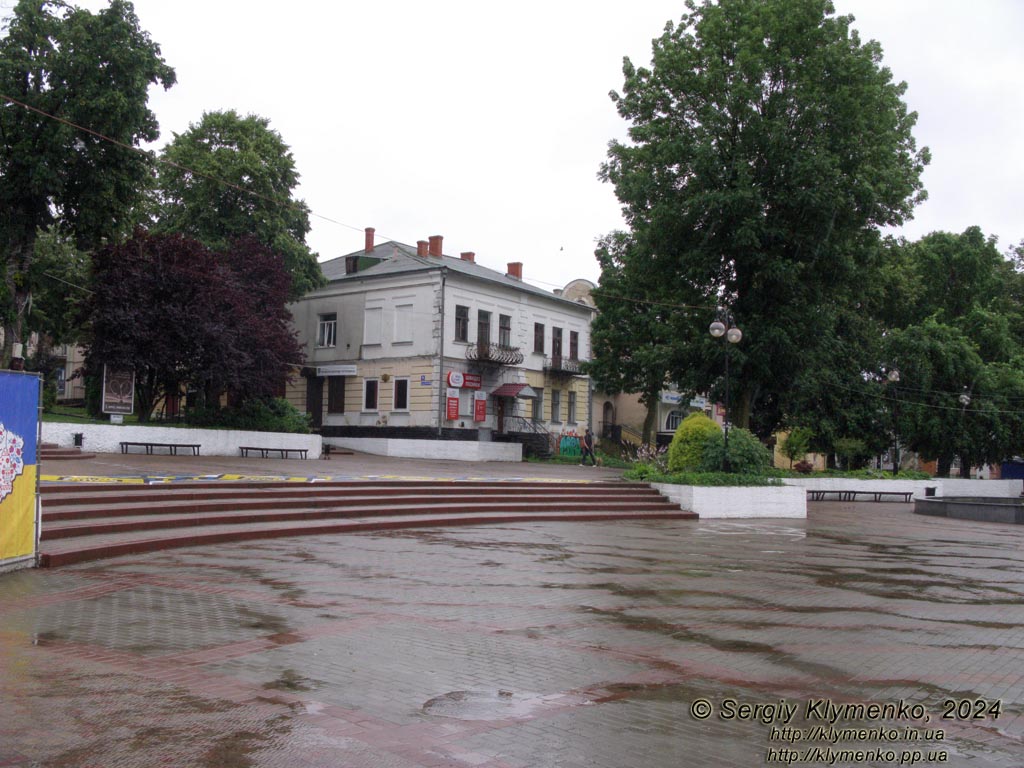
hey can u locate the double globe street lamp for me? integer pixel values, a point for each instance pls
(725, 326)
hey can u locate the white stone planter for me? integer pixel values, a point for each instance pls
(452, 450)
(107, 438)
(738, 501)
(941, 486)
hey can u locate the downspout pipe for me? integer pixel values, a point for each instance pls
(441, 390)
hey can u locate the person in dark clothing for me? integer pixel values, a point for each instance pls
(587, 444)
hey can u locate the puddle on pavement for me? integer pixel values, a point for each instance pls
(486, 705)
(267, 621)
(290, 680)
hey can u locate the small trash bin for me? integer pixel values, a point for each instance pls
(79, 439)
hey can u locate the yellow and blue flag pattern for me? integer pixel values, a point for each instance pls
(19, 459)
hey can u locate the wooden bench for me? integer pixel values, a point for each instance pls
(265, 452)
(171, 447)
(813, 495)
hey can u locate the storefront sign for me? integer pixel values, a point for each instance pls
(699, 402)
(671, 398)
(453, 403)
(464, 380)
(479, 406)
(336, 370)
(118, 391)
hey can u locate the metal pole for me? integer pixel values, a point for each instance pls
(896, 430)
(726, 464)
(441, 390)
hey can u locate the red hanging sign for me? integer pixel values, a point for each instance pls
(479, 406)
(453, 403)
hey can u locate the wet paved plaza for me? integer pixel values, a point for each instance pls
(532, 645)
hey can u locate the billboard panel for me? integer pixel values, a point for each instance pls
(19, 429)
(118, 391)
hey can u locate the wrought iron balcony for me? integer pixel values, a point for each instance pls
(563, 365)
(495, 354)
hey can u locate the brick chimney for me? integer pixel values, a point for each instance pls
(435, 246)
(369, 239)
(515, 270)
(421, 247)
(468, 256)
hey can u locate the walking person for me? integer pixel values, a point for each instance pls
(587, 444)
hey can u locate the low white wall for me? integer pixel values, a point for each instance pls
(737, 501)
(943, 486)
(455, 450)
(106, 438)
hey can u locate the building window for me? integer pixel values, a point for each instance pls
(505, 330)
(403, 323)
(461, 323)
(483, 327)
(370, 394)
(401, 401)
(556, 343)
(572, 407)
(538, 338)
(673, 420)
(556, 405)
(538, 405)
(371, 325)
(327, 330)
(335, 394)
(574, 345)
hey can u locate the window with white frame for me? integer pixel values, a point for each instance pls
(327, 330)
(372, 325)
(403, 323)
(673, 420)
(556, 405)
(401, 395)
(572, 407)
(537, 413)
(370, 392)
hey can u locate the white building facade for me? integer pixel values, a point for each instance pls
(406, 342)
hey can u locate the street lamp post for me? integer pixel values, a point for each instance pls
(894, 378)
(965, 400)
(725, 326)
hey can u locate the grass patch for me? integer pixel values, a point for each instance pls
(645, 474)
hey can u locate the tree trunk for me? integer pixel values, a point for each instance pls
(651, 418)
(19, 259)
(965, 467)
(942, 466)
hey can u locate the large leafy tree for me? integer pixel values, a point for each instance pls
(767, 145)
(178, 314)
(62, 67)
(229, 176)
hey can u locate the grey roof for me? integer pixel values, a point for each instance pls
(399, 257)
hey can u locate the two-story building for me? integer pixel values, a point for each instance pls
(405, 342)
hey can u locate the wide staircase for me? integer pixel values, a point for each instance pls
(88, 522)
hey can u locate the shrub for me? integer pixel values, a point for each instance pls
(644, 473)
(852, 451)
(804, 467)
(796, 444)
(686, 451)
(747, 454)
(275, 415)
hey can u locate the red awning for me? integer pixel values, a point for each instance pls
(508, 390)
(514, 390)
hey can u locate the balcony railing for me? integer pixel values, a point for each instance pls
(495, 354)
(563, 365)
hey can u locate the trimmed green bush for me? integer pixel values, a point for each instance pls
(275, 415)
(686, 451)
(747, 454)
(644, 473)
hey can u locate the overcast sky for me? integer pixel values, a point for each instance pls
(486, 123)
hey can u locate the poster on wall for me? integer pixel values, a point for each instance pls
(453, 404)
(118, 391)
(479, 406)
(19, 489)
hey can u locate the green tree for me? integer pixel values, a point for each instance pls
(62, 67)
(796, 444)
(767, 146)
(230, 176)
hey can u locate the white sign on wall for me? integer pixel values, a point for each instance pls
(336, 370)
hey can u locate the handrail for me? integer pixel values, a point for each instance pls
(562, 364)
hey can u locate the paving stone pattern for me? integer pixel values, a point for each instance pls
(517, 646)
